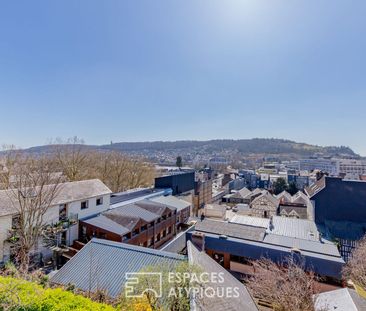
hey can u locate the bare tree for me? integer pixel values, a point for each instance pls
(287, 287)
(71, 158)
(355, 268)
(34, 188)
(119, 172)
(7, 164)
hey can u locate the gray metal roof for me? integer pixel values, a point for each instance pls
(154, 207)
(230, 229)
(107, 224)
(250, 221)
(135, 211)
(171, 201)
(329, 249)
(343, 299)
(244, 302)
(293, 227)
(102, 264)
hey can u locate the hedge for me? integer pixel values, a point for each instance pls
(17, 294)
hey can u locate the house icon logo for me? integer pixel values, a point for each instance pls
(139, 283)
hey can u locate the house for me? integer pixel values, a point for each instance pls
(103, 264)
(235, 243)
(241, 302)
(145, 223)
(265, 205)
(75, 200)
(297, 206)
(182, 207)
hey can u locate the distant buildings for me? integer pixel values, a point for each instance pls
(326, 165)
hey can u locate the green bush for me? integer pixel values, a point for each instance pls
(17, 294)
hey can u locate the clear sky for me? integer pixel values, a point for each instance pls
(134, 70)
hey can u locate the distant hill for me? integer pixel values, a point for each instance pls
(242, 146)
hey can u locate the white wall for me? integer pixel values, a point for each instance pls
(5, 226)
(93, 209)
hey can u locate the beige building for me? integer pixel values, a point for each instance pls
(265, 205)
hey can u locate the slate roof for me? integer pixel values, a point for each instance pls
(154, 207)
(102, 265)
(172, 202)
(68, 192)
(284, 195)
(107, 224)
(316, 187)
(133, 210)
(128, 222)
(241, 194)
(230, 229)
(269, 197)
(244, 302)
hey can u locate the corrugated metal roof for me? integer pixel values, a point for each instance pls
(107, 224)
(171, 201)
(250, 221)
(293, 227)
(102, 264)
(244, 301)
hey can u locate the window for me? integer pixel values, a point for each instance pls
(135, 232)
(15, 222)
(158, 221)
(143, 228)
(151, 224)
(62, 212)
(125, 237)
(170, 230)
(99, 201)
(84, 205)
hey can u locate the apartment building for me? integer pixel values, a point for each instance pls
(75, 201)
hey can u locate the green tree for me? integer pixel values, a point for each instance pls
(179, 162)
(292, 188)
(279, 185)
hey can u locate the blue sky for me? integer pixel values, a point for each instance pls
(166, 70)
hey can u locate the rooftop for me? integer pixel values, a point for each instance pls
(244, 301)
(172, 202)
(340, 299)
(102, 264)
(68, 192)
